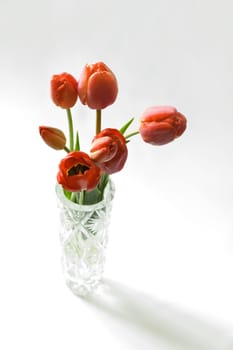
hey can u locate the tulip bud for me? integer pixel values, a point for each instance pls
(97, 86)
(53, 137)
(109, 150)
(78, 172)
(64, 90)
(161, 125)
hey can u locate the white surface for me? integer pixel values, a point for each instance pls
(168, 280)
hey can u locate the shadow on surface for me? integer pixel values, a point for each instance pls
(156, 321)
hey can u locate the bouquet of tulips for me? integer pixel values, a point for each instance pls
(82, 175)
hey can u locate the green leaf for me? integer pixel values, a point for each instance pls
(77, 143)
(125, 127)
(92, 197)
(103, 183)
(67, 193)
(97, 194)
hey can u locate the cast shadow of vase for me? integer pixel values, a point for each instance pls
(157, 322)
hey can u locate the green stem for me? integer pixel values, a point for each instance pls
(73, 197)
(103, 183)
(98, 121)
(71, 130)
(81, 197)
(131, 134)
(66, 149)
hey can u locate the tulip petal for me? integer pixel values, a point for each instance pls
(160, 125)
(78, 172)
(53, 137)
(97, 86)
(64, 90)
(113, 147)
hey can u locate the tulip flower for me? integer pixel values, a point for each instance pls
(78, 172)
(161, 125)
(109, 150)
(97, 86)
(53, 137)
(64, 90)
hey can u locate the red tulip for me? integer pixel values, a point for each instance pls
(64, 90)
(78, 172)
(97, 86)
(53, 137)
(109, 150)
(161, 125)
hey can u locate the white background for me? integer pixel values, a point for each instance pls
(168, 279)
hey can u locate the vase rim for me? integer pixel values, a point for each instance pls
(108, 197)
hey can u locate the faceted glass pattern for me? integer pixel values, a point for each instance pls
(84, 237)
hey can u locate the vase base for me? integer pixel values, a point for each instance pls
(81, 280)
(82, 290)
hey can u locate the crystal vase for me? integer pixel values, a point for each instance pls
(84, 237)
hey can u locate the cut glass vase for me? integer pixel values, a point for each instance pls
(84, 237)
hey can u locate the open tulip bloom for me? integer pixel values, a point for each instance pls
(84, 176)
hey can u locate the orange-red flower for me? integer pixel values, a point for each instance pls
(78, 172)
(97, 86)
(53, 137)
(64, 90)
(161, 125)
(109, 150)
